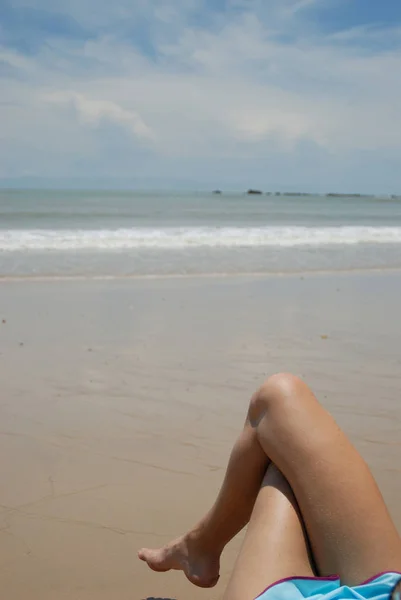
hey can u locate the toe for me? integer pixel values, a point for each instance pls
(142, 554)
(154, 558)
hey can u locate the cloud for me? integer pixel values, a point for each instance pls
(95, 111)
(296, 7)
(178, 88)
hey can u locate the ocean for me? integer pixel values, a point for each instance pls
(47, 233)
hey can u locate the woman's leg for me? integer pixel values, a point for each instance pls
(198, 552)
(348, 525)
(275, 544)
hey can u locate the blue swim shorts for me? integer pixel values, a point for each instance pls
(329, 588)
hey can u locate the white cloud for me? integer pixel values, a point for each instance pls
(294, 7)
(231, 91)
(94, 111)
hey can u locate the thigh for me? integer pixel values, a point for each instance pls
(275, 546)
(348, 525)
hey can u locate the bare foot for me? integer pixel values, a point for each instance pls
(202, 569)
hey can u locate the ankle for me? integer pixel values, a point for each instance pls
(201, 541)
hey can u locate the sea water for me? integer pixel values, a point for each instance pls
(46, 233)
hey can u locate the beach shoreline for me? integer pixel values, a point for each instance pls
(207, 275)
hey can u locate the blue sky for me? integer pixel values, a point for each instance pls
(294, 94)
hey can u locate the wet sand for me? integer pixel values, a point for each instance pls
(120, 401)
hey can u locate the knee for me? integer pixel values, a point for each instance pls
(284, 385)
(277, 393)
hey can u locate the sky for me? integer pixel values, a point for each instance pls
(201, 94)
